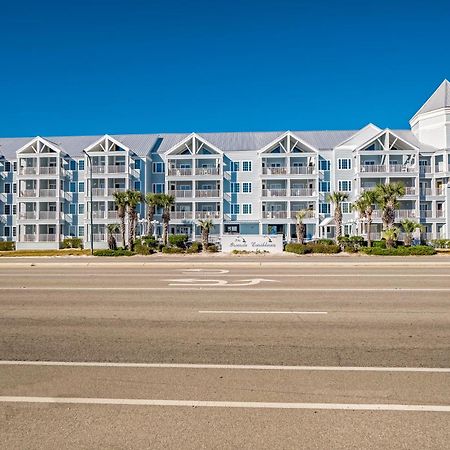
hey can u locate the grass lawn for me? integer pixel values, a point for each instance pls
(65, 252)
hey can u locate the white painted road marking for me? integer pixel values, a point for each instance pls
(228, 404)
(231, 288)
(225, 366)
(208, 282)
(263, 312)
(214, 271)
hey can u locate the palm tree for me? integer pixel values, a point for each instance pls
(364, 206)
(390, 234)
(166, 202)
(206, 226)
(387, 196)
(112, 229)
(337, 198)
(300, 227)
(133, 200)
(409, 226)
(121, 200)
(152, 201)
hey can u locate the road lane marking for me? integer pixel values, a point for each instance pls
(215, 289)
(227, 404)
(156, 274)
(263, 312)
(225, 366)
(209, 282)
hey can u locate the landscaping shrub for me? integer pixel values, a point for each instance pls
(324, 241)
(324, 248)
(440, 243)
(351, 244)
(150, 241)
(195, 247)
(172, 250)
(118, 252)
(6, 246)
(417, 250)
(72, 242)
(212, 248)
(299, 249)
(178, 240)
(379, 244)
(142, 248)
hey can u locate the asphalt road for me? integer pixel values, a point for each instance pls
(225, 354)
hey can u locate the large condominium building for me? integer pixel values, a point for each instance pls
(247, 183)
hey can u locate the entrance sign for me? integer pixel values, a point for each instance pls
(252, 243)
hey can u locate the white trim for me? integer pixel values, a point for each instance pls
(104, 137)
(283, 136)
(193, 136)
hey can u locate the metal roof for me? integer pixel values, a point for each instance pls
(439, 99)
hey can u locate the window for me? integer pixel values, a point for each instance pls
(158, 167)
(346, 207)
(137, 185)
(345, 185)
(246, 166)
(247, 188)
(81, 186)
(72, 208)
(234, 187)
(14, 188)
(81, 164)
(81, 209)
(157, 188)
(15, 166)
(324, 208)
(344, 164)
(80, 231)
(7, 166)
(234, 208)
(246, 208)
(7, 231)
(324, 164)
(137, 164)
(231, 228)
(14, 231)
(324, 186)
(7, 188)
(14, 209)
(72, 187)
(234, 166)
(7, 210)
(72, 165)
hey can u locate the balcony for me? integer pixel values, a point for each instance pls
(207, 193)
(29, 238)
(47, 215)
(274, 214)
(208, 215)
(410, 190)
(426, 213)
(399, 214)
(113, 215)
(98, 214)
(117, 169)
(98, 169)
(181, 215)
(48, 170)
(373, 169)
(179, 172)
(32, 170)
(211, 171)
(112, 191)
(440, 213)
(274, 192)
(98, 237)
(28, 193)
(47, 193)
(425, 169)
(440, 167)
(301, 192)
(274, 170)
(27, 215)
(98, 192)
(400, 168)
(309, 214)
(302, 170)
(181, 193)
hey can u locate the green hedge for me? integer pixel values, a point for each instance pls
(72, 242)
(118, 252)
(195, 247)
(172, 250)
(417, 250)
(441, 243)
(299, 249)
(316, 247)
(7, 246)
(178, 240)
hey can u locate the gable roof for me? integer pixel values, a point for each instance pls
(438, 100)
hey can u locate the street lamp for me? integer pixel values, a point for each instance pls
(90, 208)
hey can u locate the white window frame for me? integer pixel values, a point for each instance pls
(247, 206)
(235, 188)
(235, 208)
(248, 164)
(348, 163)
(157, 165)
(247, 188)
(341, 184)
(346, 207)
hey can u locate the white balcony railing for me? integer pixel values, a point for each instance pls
(440, 213)
(47, 237)
(47, 170)
(310, 214)
(207, 214)
(207, 171)
(98, 192)
(117, 169)
(98, 214)
(440, 167)
(400, 168)
(368, 168)
(28, 193)
(26, 215)
(425, 169)
(179, 172)
(29, 238)
(98, 237)
(112, 215)
(302, 192)
(302, 170)
(426, 213)
(274, 192)
(399, 213)
(112, 191)
(274, 214)
(274, 170)
(410, 190)
(98, 169)
(181, 193)
(47, 215)
(47, 192)
(32, 170)
(207, 193)
(181, 215)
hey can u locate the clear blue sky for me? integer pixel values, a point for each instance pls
(136, 66)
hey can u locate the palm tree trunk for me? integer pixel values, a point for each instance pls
(165, 232)
(297, 231)
(369, 236)
(150, 216)
(130, 229)
(205, 240)
(122, 229)
(338, 222)
(302, 233)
